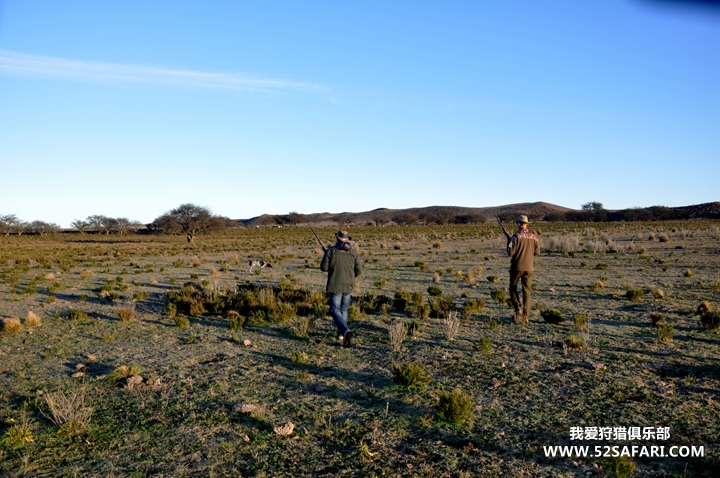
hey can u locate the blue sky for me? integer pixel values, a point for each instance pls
(130, 108)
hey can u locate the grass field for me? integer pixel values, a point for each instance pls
(212, 399)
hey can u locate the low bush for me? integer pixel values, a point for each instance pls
(235, 320)
(455, 407)
(434, 291)
(657, 318)
(500, 296)
(665, 332)
(619, 467)
(409, 375)
(575, 342)
(580, 322)
(634, 295)
(710, 320)
(552, 316)
(126, 312)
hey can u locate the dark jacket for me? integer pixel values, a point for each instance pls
(342, 268)
(522, 248)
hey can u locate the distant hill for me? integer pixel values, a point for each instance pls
(536, 211)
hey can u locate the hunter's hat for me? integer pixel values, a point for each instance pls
(522, 218)
(343, 236)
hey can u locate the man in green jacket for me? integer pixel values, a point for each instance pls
(342, 263)
(522, 248)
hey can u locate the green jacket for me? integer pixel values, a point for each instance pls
(342, 268)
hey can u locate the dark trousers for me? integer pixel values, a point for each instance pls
(526, 278)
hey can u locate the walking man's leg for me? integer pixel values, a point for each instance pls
(338, 311)
(514, 296)
(345, 307)
(527, 288)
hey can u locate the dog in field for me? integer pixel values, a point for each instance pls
(261, 264)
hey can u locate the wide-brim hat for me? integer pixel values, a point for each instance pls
(343, 236)
(522, 218)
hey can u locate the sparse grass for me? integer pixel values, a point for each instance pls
(580, 322)
(19, 435)
(343, 400)
(181, 321)
(619, 467)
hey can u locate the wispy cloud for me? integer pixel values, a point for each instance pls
(19, 64)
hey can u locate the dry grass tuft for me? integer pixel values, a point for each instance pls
(451, 325)
(436, 277)
(398, 332)
(126, 312)
(68, 411)
(11, 326)
(703, 308)
(32, 320)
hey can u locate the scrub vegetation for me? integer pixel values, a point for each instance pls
(148, 355)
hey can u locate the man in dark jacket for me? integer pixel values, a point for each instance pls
(522, 248)
(342, 263)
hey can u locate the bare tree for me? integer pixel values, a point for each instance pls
(445, 216)
(41, 227)
(405, 219)
(295, 218)
(189, 219)
(80, 225)
(9, 224)
(379, 220)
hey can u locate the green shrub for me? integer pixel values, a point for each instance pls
(235, 320)
(455, 406)
(140, 296)
(182, 322)
(441, 306)
(494, 323)
(620, 467)
(580, 322)
(298, 357)
(434, 291)
(500, 296)
(634, 295)
(657, 318)
(485, 345)
(355, 314)
(120, 374)
(665, 333)
(472, 307)
(575, 342)
(552, 316)
(401, 300)
(409, 375)
(77, 315)
(18, 436)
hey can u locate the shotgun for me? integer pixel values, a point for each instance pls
(316, 237)
(507, 234)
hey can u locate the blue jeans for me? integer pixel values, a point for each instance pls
(339, 305)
